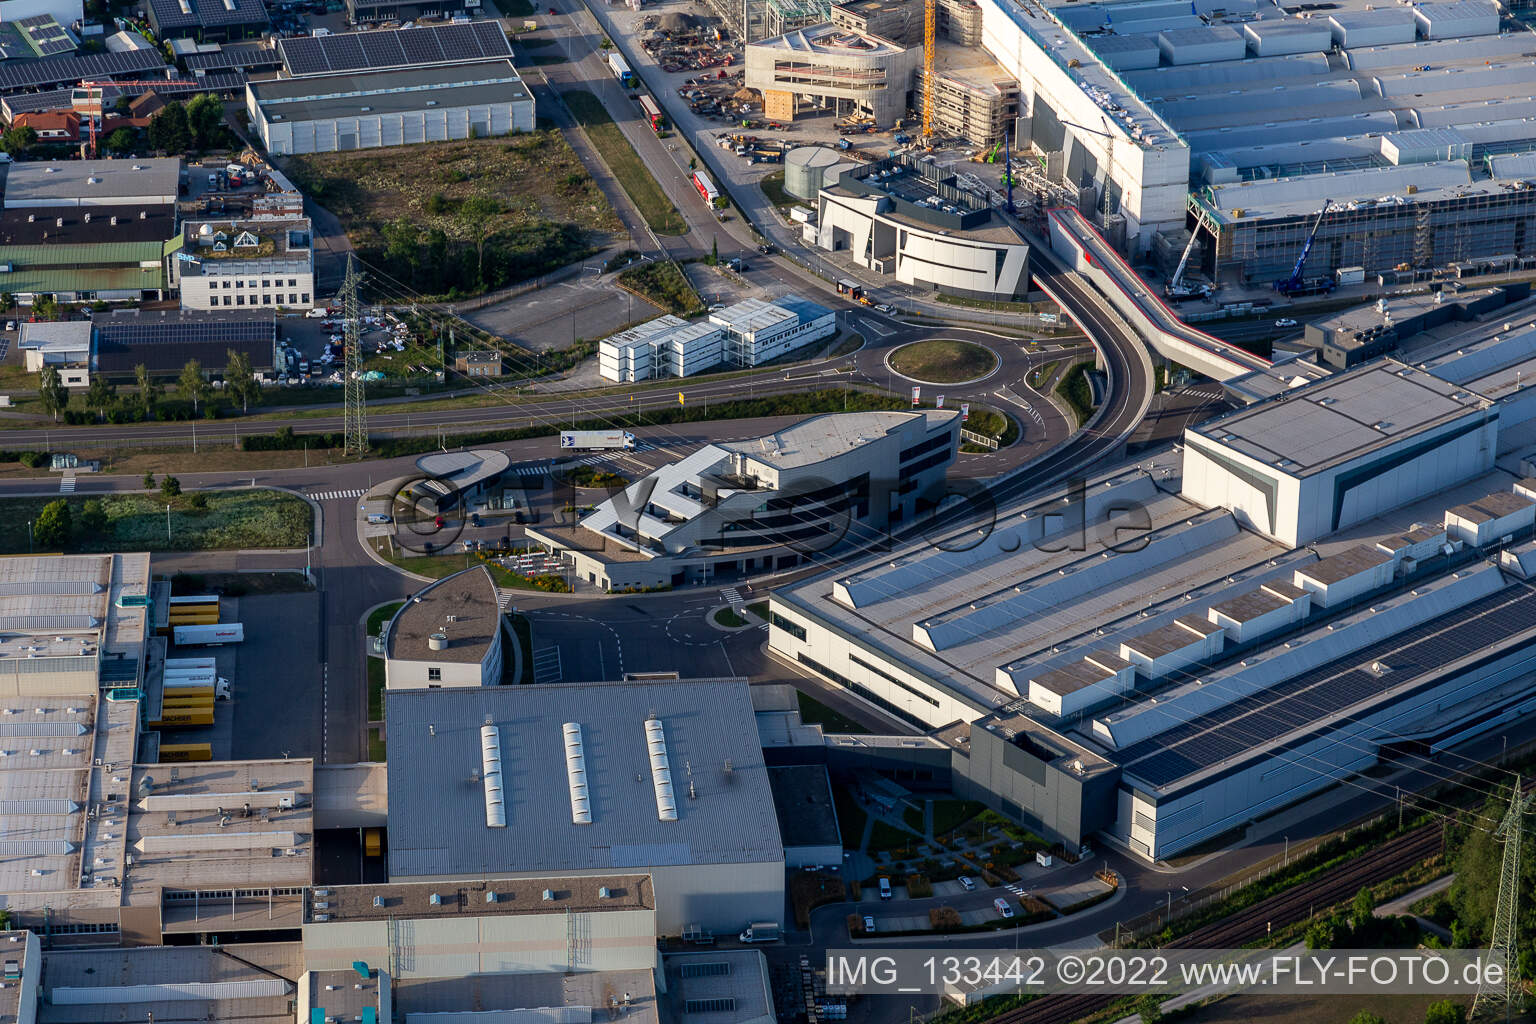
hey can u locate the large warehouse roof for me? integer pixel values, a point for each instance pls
(590, 798)
(104, 182)
(417, 47)
(164, 341)
(1341, 418)
(320, 97)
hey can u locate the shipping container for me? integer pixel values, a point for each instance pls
(227, 633)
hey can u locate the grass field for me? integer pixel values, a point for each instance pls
(773, 189)
(380, 615)
(394, 202)
(625, 164)
(137, 522)
(943, 361)
(375, 689)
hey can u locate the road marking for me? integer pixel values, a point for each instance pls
(870, 325)
(546, 665)
(732, 597)
(67, 483)
(1007, 395)
(332, 495)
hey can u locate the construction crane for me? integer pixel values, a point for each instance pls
(1176, 288)
(1109, 161)
(1296, 284)
(930, 41)
(83, 92)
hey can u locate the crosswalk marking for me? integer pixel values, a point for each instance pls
(732, 597)
(547, 667)
(329, 495)
(530, 470)
(67, 484)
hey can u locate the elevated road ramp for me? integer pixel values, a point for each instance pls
(1084, 250)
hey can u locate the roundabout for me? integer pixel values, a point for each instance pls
(943, 361)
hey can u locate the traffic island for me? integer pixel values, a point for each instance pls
(943, 361)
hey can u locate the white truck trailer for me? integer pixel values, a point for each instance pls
(595, 440)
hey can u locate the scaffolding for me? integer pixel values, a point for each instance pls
(1397, 233)
(978, 111)
(788, 15)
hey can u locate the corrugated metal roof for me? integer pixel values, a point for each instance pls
(75, 255)
(98, 279)
(169, 992)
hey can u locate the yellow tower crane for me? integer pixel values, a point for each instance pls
(930, 34)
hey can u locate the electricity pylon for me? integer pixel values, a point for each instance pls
(355, 411)
(1502, 948)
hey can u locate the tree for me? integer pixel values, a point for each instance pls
(714, 252)
(169, 131)
(402, 246)
(1445, 1012)
(1367, 1017)
(149, 391)
(170, 487)
(198, 502)
(240, 380)
(477, 218)
(1362, 909)
(1150, 1007)
(52, 527)
(45, 307)
(121, 140)
(93, 517)
(191, 383)
(149, 480)
(205, 119)
(51, 389)
(18, 140)
(100, 394)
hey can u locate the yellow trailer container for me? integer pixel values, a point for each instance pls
(171, 753)
(180, 719)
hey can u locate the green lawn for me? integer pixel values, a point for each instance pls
(1075, 390)
(889, 838)
(375, 689)
(760, 609)
(665, 285)
(137, 522)
(913, 816)
(438, 566)
(993, 424)
(951, 814)
(625, 163)
(814, 712)
(380, 615)
(375, 744)
(943, 361)
(729, 619)
(773, 189)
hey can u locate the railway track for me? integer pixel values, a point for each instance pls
(1283, 908)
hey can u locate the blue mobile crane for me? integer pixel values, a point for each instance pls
(1296, 284)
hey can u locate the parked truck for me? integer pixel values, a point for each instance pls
(208, 636)
(595, 440)
(621, 70)
(761, 931)
(175, 665)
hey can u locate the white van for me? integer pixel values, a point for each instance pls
(378, 518)
(1002, 907)
(885, 888)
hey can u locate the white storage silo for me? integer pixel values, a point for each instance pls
(805, 169)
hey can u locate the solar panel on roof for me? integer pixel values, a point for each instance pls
(359, 51)
(421, 47)
(344, 53)
(27, 74)
(56, 45)
(381, 49)
(302, 56)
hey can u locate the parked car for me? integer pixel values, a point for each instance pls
(885, 307)
(869, 925)
(967, 883)
(1285, 321)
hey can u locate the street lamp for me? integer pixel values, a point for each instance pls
(29, 536)
(167, 522)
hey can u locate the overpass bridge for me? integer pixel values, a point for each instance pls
(1085, 251)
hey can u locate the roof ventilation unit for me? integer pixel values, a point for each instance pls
(661, 772)
(438, 641)
(490, 761)
(436, 900)
(576, 774)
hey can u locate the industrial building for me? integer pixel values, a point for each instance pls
(1353, 336)
(1341, 451)
(369, 109)
(973, 98)
(735, 508)
(547, 764)
(447, 634)
(830, 68)
(229, 264)
(899, 216)
(64, 345)
(216, 20)
(84, 230)
(745, 334)
(163, 341)
(1167, 650)
(1416, 129)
